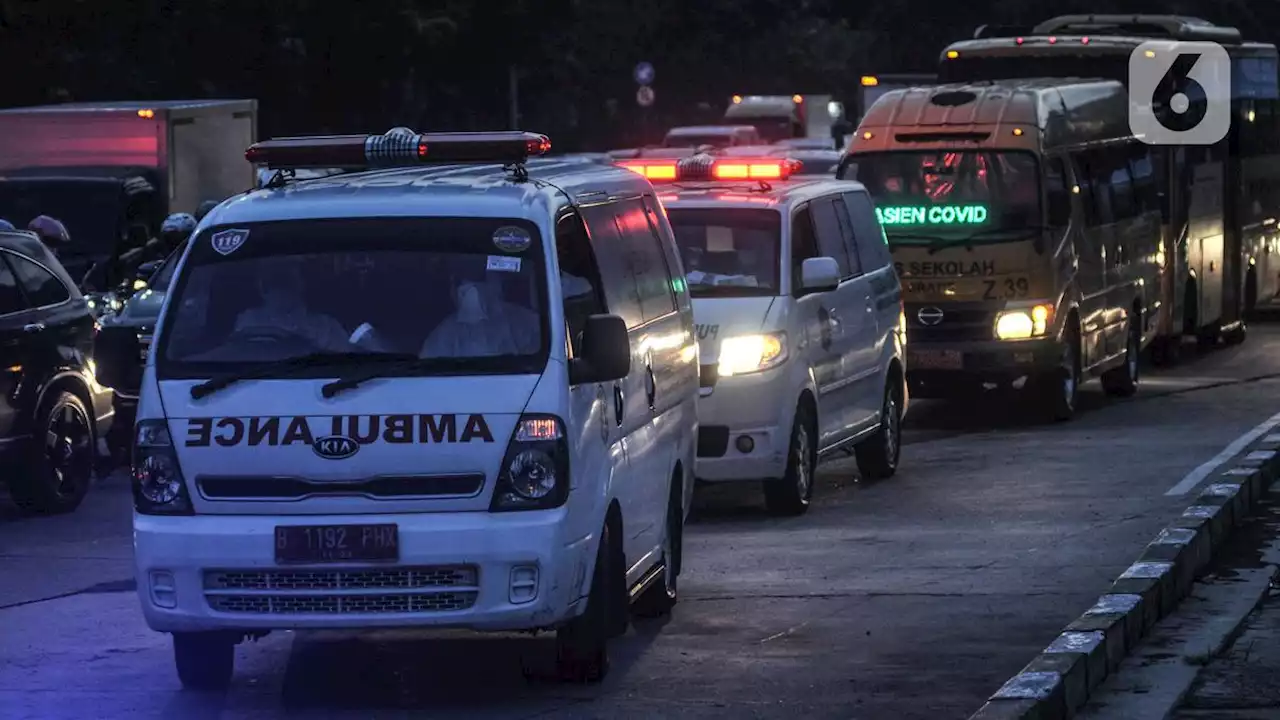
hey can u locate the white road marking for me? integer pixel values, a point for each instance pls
(1193, 478)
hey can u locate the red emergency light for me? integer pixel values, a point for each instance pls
(400, 147)
(703, 167)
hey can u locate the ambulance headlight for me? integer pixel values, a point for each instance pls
(1024, 323)
(535, 471)
(158, 486)
(533, 474)
(752, 353)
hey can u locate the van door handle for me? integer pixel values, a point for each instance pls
(618, 400)
(33, 328)
(651, 385)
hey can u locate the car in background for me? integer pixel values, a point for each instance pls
(717, 136)
(52, 410)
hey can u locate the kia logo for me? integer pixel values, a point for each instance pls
(335, 447)
(929, 316)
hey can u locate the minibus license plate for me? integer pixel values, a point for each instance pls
(935, 360)
(336, 543)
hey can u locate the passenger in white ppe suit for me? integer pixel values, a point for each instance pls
(483, 323)
(284, 310)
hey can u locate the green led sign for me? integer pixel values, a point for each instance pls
(932, 215)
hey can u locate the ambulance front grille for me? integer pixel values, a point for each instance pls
(294, 488)
(341, 604)
(342, 591)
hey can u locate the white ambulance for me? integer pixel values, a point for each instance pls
(799, 318)
(416, 395)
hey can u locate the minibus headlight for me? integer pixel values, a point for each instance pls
(752, 353)
(535, 470)
(158, 485)
(1023, 323)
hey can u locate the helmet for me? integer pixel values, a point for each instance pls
(205, 208)
(50, 231)
(182, 224)
(5, 225)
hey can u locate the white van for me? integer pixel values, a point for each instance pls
(458, 396)
(799, 318)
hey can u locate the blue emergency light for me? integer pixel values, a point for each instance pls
(399, 147)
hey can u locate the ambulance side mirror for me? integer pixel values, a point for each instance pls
(820, 274)
(118, 358)
(606, 351)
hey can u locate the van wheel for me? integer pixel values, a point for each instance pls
(878, 455)
(1123, 381)
(1059, 390)
(582, 644)
(205, 661)
(660, 597)
(1236, 335)
(60, 462)
(790, 495)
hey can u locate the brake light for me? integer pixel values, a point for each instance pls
(870, 81)
(398, 147)
(797, 99)
(146, 114)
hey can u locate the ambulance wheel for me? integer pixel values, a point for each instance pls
(582, 644)
(205, 661)
(791, 494)
(1236, 335)
(660, 597)
(878, 455)
(1059, 390)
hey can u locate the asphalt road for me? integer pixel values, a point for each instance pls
(911, 598)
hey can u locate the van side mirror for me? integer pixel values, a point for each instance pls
(118, 358)
(820, 274)
(606, 351)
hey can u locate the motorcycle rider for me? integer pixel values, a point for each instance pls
(6, 226)
(173, 232)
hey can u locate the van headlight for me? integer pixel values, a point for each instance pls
(752, 353)
(535, 469)
(1024, 323)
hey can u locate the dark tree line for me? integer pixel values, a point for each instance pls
(347, 66)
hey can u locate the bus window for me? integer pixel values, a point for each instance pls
(1055, 187)
(1145, 192)
(1122, 205)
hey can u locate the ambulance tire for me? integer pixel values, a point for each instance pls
(1057, 392)
(791, 494)
(878, 455)
(205, 660)
(659, 598)
(582, 644)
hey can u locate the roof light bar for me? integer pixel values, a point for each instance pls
(704, 167)
(399, 147)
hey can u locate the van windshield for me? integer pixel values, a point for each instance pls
(442, 290)
(944, 194)
(728, 252)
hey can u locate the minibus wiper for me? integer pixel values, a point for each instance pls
(300, 362)
(1019, 234)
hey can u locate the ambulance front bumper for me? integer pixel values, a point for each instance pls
(479, 571)
(744, 427)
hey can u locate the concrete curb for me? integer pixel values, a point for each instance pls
(1058, 682)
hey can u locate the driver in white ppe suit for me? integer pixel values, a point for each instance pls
(484, 324)
(284, 309)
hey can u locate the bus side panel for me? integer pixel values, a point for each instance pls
(1205, 242)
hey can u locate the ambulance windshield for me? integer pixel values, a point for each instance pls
(466, 296)
(728, 252)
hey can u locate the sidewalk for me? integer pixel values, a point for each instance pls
(1244, 680)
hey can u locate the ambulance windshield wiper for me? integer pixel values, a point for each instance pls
(403, 366)
(300, 362)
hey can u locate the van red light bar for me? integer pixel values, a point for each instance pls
(702, 167)
(397, 148)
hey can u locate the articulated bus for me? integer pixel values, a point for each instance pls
(1219, 202)
(1025, 223)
